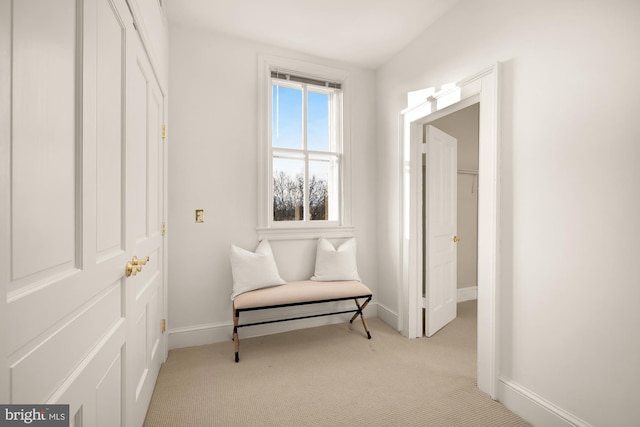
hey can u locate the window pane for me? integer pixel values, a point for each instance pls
(318, 121)
(286, 121)
(288, 190)
(323, 190)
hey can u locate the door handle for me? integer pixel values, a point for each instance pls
(135, 265)
(456, 239)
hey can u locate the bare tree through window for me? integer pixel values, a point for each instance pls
(288, 197)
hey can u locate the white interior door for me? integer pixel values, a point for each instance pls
(81, 193)
(144, 184)
(63, 249)
(441, 166)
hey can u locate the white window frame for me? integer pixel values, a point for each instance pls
(283, 230)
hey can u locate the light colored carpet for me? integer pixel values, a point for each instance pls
(330, 376)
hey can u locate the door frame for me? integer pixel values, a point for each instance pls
(483, 87)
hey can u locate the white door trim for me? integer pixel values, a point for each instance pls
(483, 87)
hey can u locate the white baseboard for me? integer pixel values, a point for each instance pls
(467, 294)
(533, 408)
(200, 335)
(219, 332)
(388, 316)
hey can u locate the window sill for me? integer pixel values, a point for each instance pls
(306, 233)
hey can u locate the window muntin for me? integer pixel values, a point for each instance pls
(305, 148)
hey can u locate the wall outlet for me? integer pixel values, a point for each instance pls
(199, 215)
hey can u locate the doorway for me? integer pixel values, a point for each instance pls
(482, 88)
(458, 282)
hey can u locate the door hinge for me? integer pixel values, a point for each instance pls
(164, 131)
(164, 228)
(424, 148)
(163, 326)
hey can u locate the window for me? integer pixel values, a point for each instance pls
(305, 135)
(303, 171)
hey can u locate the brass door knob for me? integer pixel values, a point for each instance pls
(135, 265)
(456, 239)
(136, 261)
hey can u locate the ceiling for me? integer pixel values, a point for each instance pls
(366, 33)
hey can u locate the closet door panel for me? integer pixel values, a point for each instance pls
(109, 132)
(65, 346)
(44, 140)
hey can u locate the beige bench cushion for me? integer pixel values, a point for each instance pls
(302, 291)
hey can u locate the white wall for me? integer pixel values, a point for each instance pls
(213, 153)
(569, 275)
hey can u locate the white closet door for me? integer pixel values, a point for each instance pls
(5, 191)
(80, 195)
(440, 228)
(144, 202)
(63, 269)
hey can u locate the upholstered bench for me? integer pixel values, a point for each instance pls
(300, 293)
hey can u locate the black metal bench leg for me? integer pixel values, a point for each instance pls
(361, 314)
(236, 340)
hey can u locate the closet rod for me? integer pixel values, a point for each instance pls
(467, 172)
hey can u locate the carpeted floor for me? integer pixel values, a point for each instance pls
(330, 376)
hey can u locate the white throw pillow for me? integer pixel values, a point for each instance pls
(253, 270)
(336, 264)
